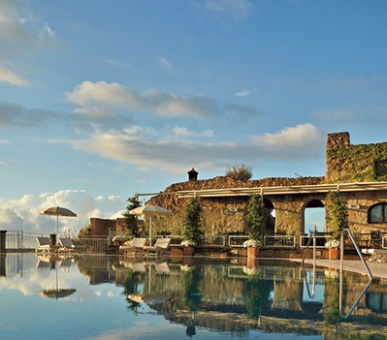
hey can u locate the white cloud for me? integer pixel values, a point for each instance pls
(166, 65)
(173, 156)
(23, 213)
(89, 95)
(228, 11)
(7, 76)
(171, 105)
(244, 93)
(101, 98)
(184, 132)
(21, 31)
(301, 141)
(294, 136)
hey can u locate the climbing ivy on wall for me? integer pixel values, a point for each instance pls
(338, 211)
(358, 162)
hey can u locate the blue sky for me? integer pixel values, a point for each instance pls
(102, 99)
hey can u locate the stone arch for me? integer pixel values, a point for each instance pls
(269, 205)
(314, 215)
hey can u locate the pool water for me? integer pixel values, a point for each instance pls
(110, 297)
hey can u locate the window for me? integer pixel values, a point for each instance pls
(378, 213)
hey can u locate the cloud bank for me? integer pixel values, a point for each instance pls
(292, 144)
(23, 213)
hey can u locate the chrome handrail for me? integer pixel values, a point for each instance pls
(346, 230)
(341, 273)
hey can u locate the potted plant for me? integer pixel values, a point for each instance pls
(339, 216)
(333, 246)
(253, 247)
(257, 219)
(192, 232)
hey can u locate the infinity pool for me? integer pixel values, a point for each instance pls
(109, 297)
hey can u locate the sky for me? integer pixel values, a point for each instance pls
(103, 99)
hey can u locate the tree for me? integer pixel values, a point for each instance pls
(243, 173)
(131, 220)
(257, 295)
(191, 224)
(338, 212)
(257, 218)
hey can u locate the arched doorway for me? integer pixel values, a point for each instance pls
(269, 205)
(314, 215)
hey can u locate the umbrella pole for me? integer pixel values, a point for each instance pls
(57, 216)
(150, 230)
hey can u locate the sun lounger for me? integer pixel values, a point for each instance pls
(162, 268)
(135, 248)
(67, 245)
(160, 248)
(45, 246)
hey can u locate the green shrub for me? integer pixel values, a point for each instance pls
(192, 231)
(257, 218)
(243, 173)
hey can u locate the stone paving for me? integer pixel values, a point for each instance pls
(378, 270)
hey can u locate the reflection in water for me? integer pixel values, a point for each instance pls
(206, 294)
(272, 297)
(377, 302)
(52, 262)
(332, 311)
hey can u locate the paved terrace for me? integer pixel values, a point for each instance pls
(378, 270)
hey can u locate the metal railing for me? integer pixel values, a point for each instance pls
(20, 240)
(236, 241)
(320, 240)
(213, 241)
(279, 241)
(341, 272)
(95, 244)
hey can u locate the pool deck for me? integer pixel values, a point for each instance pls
(378, 270)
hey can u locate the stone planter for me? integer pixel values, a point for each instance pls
(188, 250)
(334, 253)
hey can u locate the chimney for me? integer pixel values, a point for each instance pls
(192, 175)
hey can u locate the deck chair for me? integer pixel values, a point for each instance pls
(45, 246)
(162, 268)
(136, 248)
(67, 244)
(161, 247)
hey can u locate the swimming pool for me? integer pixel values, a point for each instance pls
(110, 297)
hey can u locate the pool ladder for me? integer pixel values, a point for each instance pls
(346, 230)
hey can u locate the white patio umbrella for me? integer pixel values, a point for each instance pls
(57, 211)
(56, 292)
(150, 210)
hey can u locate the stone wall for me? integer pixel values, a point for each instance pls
(101, 227)
(226, 215)
(346, 162)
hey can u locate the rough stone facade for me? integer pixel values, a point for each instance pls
(344, 162)
(102, 227)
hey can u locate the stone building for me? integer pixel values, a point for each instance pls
(358, 172)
